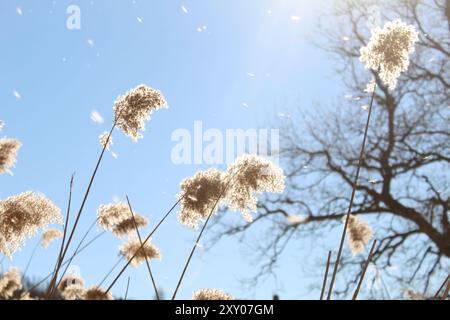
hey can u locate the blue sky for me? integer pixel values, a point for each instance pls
(230, 64)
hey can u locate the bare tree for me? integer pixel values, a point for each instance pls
(404, 183)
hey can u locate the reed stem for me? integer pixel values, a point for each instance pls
(142, 246)
(355, 183)
(59, 259)
(358, 287)
(325, 277)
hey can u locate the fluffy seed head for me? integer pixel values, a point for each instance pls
(388, 50)
(2, 125)
(116, 217)
(413, 295)
(73, 292)
(127, 226)
(134, 108)
(70, 280)
(21, 216)
(49, 236)
(72, 287)
(25, 296)
(133, 246)
(96, 293)
(251, 174)
(103, 138)
(359, 234)
(108, 216)
(211, 294)
(201, 192)
(370, 87)
(8, 154)
(9, 283)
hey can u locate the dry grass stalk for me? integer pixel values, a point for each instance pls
(141, 248)
(369, 258)
(325, 277)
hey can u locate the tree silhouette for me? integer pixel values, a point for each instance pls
(403, 189)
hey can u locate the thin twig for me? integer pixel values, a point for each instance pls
(325, 277)
(436, 295)
(143, 249)
(29, 260)
(358, 287)
(126, 292)
(447, 290)
(383, 283)
(355, 183)
(110, 271)
(144, 242)
(59, 259)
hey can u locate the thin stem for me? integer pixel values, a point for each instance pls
(358, 169)
(91, 181)
(145, 241)
(110, 271)
(143, 249)
(67, 217)
(191, 254)
(442, 286)
(358, 287)
(447, 290)
(126, 292)
(75, 253)
(59, 259)
(325, 277)
(383, 283)
(29, 260)
(66, 262)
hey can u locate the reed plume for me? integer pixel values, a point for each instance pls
(104, 141)
(134, 252)
(25, 296)
(49, 236)
(70, 280)
(251, 175)
(115, 217)
(134, 108)
(198, 196)
(211, 294)
(127, 226)
(74, 292)
(413, 295)
(21, 216)
(388, 50)
(359, 234)
(8, 154)
(71, 287)
(96, 293)
(10, 282)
